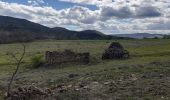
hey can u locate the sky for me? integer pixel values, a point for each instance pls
(107, 16)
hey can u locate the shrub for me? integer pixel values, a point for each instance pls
(37, 61)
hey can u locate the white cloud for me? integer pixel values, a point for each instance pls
(89, 2)
(32, 13)
(117, 16)
(36, 2)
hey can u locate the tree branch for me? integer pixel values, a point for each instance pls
(19, 61)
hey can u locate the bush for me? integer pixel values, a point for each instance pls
(37, 61)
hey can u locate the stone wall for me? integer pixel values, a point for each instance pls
(66, 56)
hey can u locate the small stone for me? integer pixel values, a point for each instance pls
(62, 90)
(81, 85)
(6, 94)
(85, 87)
(20, 89)
(77, 89)
(133, 77)
(48, 91)
(161, 75)
(69, 86)
(162, 97)
(72, 75)
(95, 82)
(60, 85)
(107, 83)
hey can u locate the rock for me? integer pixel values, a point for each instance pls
(72, 75)
(85, 87)
(5, 94)
(20, 89)
(60, 85)
(69, 86)
(62, 90)
(28, 92)
(107, 83)
(77, 89)
(133, 77)
(95, 83)
(48, 91)
(162, 97)
(152, 75)
(161, 75)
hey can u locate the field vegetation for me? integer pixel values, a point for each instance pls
(145, 76)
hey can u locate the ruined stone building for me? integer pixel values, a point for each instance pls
(66, 56)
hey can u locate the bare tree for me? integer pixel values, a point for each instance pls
(18, 63)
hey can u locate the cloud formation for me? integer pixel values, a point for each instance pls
(123, 12)
(148, 11)
(36, 2)
(111, 15)
(90, 2)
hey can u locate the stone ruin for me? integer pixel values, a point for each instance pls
(66, 56)
(115, 51)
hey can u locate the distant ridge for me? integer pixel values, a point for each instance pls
(21, 30)
(139, 35)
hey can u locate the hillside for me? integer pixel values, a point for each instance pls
(139, 35)
(21, 30)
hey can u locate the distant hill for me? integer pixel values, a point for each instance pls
(21, 30)
(139, 35)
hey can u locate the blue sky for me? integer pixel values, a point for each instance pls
(54, 3)
(107, 16)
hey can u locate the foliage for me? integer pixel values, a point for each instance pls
(166, 37)
(37, 61)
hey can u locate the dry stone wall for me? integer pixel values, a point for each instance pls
(66, 56)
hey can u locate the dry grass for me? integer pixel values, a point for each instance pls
(149, 60)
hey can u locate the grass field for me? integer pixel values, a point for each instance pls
(145, 76)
